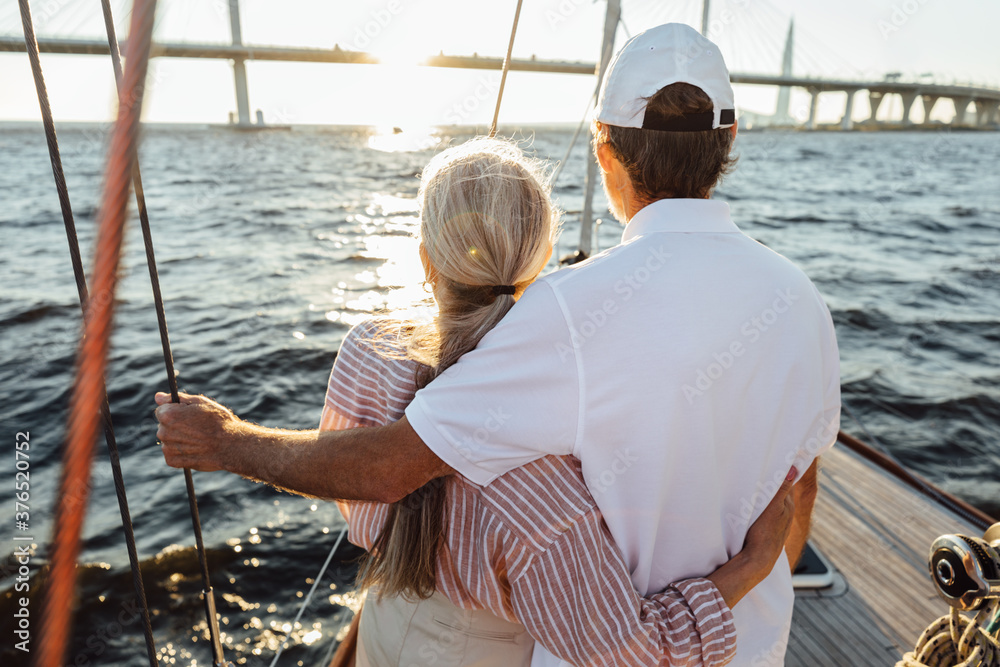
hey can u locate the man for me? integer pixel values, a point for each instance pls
(687, 368)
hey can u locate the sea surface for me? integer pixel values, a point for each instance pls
(272, 244)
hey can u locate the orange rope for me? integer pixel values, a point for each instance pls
(92, 357)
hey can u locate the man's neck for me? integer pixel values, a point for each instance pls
(634, 206)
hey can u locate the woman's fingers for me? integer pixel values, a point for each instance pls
(786, 486)
(769, 532)
(783, 503)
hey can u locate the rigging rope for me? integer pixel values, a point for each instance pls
(81, 285)
(506, 68)
(305, 602)
(93, 353)
(572, 141)
(168, 358)
(958, 641)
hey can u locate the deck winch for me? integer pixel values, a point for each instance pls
(966, 570)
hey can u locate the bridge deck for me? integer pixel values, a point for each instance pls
(876, 531)
(13, 44)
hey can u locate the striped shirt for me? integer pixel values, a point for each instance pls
(531, 547)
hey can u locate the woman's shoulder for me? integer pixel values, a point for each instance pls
(389, 329)
(382, 338)
(372, 380)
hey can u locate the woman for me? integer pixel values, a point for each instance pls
(465, 575)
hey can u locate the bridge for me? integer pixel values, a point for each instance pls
(985, 101)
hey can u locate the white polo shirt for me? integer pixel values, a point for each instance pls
(687, 368)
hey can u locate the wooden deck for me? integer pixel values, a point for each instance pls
(877, 532)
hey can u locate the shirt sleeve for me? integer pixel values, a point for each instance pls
(579, 604)
(358, 396)
(513, 399)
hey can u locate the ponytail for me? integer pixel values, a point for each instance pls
(487, 224)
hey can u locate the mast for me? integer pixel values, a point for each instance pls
(706, 7)
(611, 19)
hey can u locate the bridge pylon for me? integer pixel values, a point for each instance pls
(781, 111)
(846, 122)
(961, 110)
(986, 112)
(928, 101)
(908, 99)
(239, 67)
(875, 98)
(813, 104)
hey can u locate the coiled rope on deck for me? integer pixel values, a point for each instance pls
(958, 641)
(87, 397)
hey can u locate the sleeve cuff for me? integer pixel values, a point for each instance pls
(713, 618)
(441, 444)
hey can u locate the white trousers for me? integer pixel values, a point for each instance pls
(435, 633)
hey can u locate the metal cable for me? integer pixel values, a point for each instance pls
(506, 67)
(92, 358)
(168, 359)
(81, 285)
(572, 142)
(308, 598)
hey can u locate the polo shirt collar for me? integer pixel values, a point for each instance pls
(707, 216)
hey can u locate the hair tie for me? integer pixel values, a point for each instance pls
(503, 289)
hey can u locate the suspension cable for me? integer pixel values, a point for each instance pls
(81, 285)
(92, 357)
(506, 68)
(168, 359)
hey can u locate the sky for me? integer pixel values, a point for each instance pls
(948, 40)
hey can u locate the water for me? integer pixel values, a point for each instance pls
(271, 245)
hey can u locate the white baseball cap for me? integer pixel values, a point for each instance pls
(658, 57)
